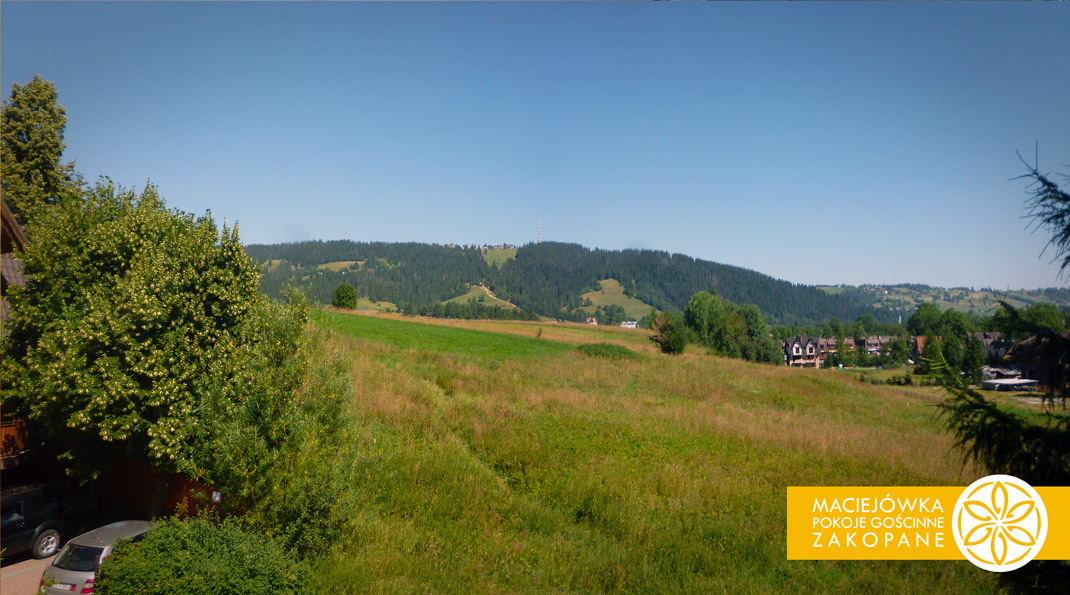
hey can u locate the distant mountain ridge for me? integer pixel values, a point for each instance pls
(550, 278)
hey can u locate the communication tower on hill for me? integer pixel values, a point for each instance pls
(540, 232)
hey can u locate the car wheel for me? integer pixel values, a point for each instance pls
(46, 544)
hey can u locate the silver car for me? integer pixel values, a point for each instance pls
(74, 570)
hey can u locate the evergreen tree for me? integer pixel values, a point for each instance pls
(345, 297)
(1033, 448)
(32, 174)
(973, 360)
(953, 351)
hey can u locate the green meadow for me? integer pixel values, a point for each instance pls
(478, 293)
(611, 293)
(408, 335)
(339, 265)
(532, 457)
(499, 257)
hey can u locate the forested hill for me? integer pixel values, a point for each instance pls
(547, 278)
(549, 271)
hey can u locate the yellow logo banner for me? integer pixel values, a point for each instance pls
(998, 523)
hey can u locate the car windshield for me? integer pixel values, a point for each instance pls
(80, 558)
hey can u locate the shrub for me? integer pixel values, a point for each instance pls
(345, 297)
(275, 447)
(201, 556)
(670, 333)
(608, 350)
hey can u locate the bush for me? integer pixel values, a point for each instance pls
(607, 350)
(345, 297)
(201, 556)
(280, 428)
(670, 333)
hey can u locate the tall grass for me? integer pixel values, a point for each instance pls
(546, 470)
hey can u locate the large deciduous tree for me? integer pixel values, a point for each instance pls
(924, 320)
(730, 329)
(32, 173)
(131, 310)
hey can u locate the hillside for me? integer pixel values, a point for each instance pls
(548, 279)
(497, 457)
(480, 293)
(553, 280)
(906, 298)
(611, 293)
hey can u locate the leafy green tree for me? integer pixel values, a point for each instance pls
(670, 333)
(867, 323)
(924, 320)
(32, 174)
(954, 324)
(705, 313)
(898, 350)
(731, 330)
(1046, 315)
(835, 328)
(345, 297)
(130, 310)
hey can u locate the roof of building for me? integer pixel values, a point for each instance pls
(11, 272)
(13, 236)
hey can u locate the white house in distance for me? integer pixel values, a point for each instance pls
(629, 324)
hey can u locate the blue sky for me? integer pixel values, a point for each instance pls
(818, 143)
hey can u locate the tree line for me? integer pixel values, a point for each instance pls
(721, 326)
(548, 279)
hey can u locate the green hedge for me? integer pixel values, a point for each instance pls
(201, 556)
(608, 350)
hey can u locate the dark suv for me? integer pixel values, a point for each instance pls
(31, 518)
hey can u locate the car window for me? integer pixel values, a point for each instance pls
(79, 558)
(12, 511)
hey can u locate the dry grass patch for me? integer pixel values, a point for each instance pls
(337, 266)
(565, 472)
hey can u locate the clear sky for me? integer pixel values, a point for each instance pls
(818, 143)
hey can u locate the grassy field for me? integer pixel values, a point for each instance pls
(498, 257)
(271, 265)
(412, 335)
(498, 457)
(367, 304)
(336, 266)
(612, 293)
(478, 291)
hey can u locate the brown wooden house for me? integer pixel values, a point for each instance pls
(13, 436)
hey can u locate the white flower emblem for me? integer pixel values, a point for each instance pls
(999, 523)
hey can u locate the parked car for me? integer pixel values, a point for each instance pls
(75, 568)
(31, 518)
